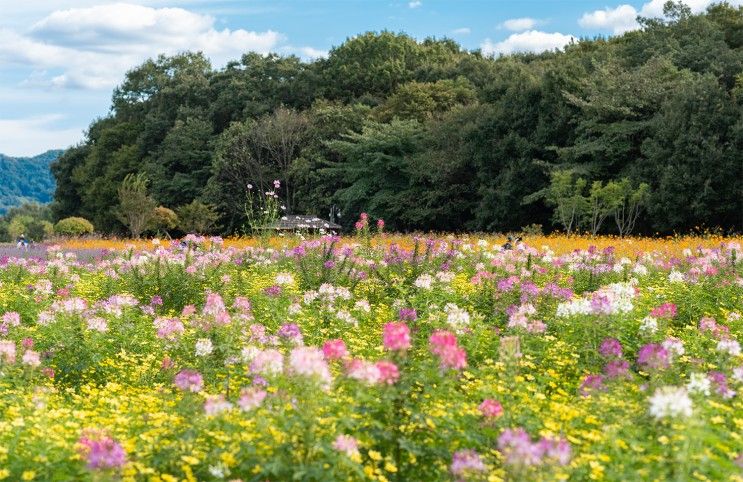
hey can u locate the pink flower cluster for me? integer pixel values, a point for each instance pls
(720, 382)
(101, 452)
(396, 336)
(666, 310)
(491, 409)
(709, 325)
(444, 345)
(310, 362)
(189, 381)
(653, 356)
(347, 445)
(216, 404)
(215, 311)
(251, 398)
(371, 373)
(7, 351)
(466, 463)
(590, 384)
(334, 349)
(169, 328)
(521, 317)
(519, 450)
(616, 366)
(9, 319)
(610, 348)
(267, 362)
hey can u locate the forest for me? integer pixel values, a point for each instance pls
(26, 179)
(432, 137)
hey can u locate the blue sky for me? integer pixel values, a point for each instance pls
(60, 59)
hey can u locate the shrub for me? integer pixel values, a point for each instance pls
(197, 217)
(73, 226)
(164, 219)
(33, 228)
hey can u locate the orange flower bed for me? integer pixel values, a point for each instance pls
(560, 244)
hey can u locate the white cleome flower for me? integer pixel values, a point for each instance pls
(649, 325)
(424, 282)
(284, 279)
(698, 383)
(456, 317)
(204, 347)
(670, 402)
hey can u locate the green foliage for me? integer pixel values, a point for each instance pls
(261, 210)
(602, 201)
(566, 194)
(422, 100)
(660, 106)
(73, 226)
(32, 228)
(628, 201)
(136, 208)
(376, 168)
(196, 217)
(163, 219)
(26, 179)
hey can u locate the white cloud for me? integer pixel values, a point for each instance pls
(461, 31)
(619, 20)
(519, 24)
(531, 41)
(310, 52)
(415, 4)
(623, 18)
(32, 135)
(93, 47)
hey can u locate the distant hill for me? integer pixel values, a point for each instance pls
(25, 179)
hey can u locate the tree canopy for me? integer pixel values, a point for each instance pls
(430, 136)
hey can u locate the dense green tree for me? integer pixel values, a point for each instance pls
(136, 209)
(182, 165)
(432, 137)
(422, 100)
(316, 185)
(692, 157)
(258, 84)
(376, 168)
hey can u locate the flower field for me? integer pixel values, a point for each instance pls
(389, 359)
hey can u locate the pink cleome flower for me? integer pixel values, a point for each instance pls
(396, 336)
(491, 408)
(334, 349)
(101, 452)
(388, 372)
(189, 381)
(444, 345)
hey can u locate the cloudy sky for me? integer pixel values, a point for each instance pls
(60, 59)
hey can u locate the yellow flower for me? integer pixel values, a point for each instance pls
(374, 455)
(4, 474)
(28, 475)
(390, 467)
(189, 459)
